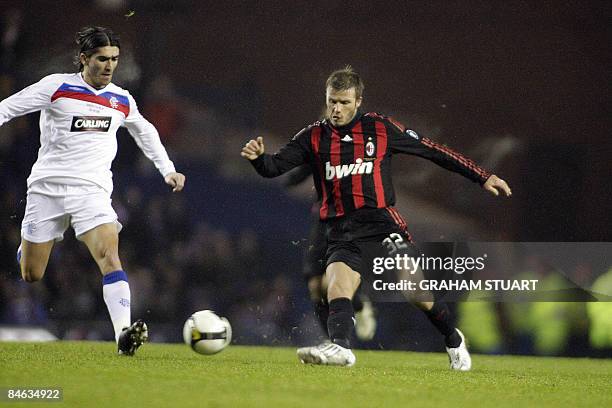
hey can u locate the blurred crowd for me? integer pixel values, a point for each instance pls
(550, 328)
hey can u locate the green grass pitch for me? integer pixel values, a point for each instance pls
(171, 375)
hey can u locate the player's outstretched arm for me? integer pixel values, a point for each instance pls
(253, 149)
(494, 184)
(175, 180)
(291, 155)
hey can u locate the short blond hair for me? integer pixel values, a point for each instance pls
(345, 78)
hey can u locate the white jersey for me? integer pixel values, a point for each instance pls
(78, 129)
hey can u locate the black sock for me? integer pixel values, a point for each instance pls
(340, 321)
(322, 312)
(357, 303)
(440, 316)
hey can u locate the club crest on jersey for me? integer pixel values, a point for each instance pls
(114, 102)
(90, 124)
(344, 170)
(369, 149)
(412, 133)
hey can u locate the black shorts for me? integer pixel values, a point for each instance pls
(356, 239)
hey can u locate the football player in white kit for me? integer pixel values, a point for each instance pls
(71, 181)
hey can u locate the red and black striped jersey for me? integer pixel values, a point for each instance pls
(351, 165)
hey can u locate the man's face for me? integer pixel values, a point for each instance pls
(341, 106)
(99, 67)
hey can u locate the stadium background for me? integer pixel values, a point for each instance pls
(521, 88)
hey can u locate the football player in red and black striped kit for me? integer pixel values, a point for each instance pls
(314, 270)
(350, 154)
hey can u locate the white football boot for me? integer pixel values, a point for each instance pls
(327, 354)
(365, 321)
(459, 357)
(304, 353)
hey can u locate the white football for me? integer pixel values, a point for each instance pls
(207, 333)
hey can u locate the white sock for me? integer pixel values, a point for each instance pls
(116, 292)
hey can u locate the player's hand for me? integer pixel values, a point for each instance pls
(494, 183)
(175, 180)
(253, 149)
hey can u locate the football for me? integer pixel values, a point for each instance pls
(207, 333)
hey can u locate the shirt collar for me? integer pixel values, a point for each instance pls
(349, 125)
(89, 86)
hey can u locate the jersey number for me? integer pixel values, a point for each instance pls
(394, 242)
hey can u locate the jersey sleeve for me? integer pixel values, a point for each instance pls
(31, 99)
(298, 175)
(147, 138)
(293, 154)
(402, 140)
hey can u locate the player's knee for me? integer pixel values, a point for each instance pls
(343, 287)
(110, 259)
(343, 280)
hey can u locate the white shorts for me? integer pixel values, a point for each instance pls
(48, 216)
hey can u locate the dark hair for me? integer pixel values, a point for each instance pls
(344, 79)
(92, 37)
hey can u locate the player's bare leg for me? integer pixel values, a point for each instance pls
(103, 244)
(33, 259)
(343, 282)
